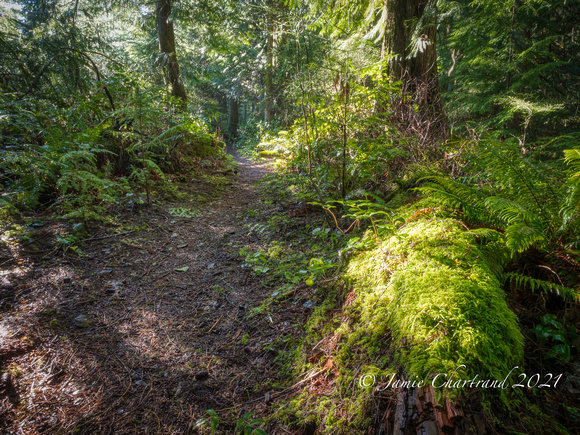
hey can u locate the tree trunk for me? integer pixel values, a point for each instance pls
(167, 46)
(233, 117)
(414, 63)
(400, 19)
(269, 90)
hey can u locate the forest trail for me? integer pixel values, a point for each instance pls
(150, 327)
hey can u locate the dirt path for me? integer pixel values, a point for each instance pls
(149, 328)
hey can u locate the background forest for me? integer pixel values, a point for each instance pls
(370, 94)
(437, 139)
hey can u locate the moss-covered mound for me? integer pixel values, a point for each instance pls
(423, 305)
(431, 286)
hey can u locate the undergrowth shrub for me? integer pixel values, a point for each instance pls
(345, 144)
(254, 134)
(81, 158)
(83, 191)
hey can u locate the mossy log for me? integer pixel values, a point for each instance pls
(433, 289)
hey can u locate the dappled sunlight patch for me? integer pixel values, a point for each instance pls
(19, 265)
(55, 387)
(147, 334)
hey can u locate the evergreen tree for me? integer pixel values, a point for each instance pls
(512, 65)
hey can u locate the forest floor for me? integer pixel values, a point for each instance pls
(151, 322)
(146, 321)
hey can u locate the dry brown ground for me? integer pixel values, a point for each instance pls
(155, 347)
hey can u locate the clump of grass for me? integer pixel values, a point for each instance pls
(185, 212)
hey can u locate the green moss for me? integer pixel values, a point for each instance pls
(428, 299)
(431, 286)
(205, 145)
(269, 153)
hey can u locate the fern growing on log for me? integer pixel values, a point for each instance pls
(516, 197)
(539, 284)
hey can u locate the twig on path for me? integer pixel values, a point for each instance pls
(214, 325)
(163, 229)
(209, 364)
(162, 276)
(176, 285)
(148, 270)
(126, 368)
(44, 256)
(144, 248)
(231, 341)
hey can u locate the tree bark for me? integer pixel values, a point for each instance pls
(418, 412)
(167, 46)
(416, 68)
(269, 89)
(233, 117)
(400, 19)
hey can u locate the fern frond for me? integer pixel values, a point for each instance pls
(511, 211)
(80, 158)
(520, 237)
(169, 135)
(153, 168)
(570, 209)
(572, 158)
(486, 234)
(466, 198)
(90, 135)
(521, 179)
(497, 256)
(80, 181)
(539, 284)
